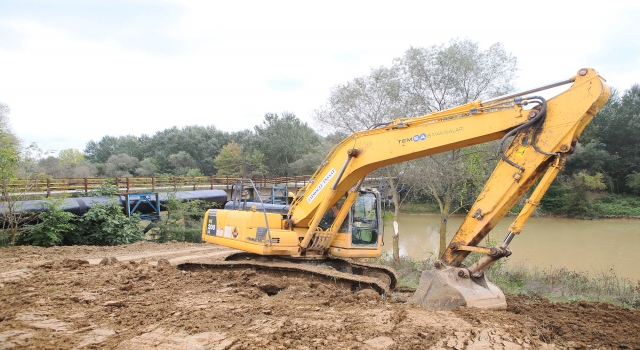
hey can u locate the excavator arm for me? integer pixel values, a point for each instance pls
(536, 153)
(542, 138)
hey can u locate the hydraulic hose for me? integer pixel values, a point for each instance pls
(536, 120)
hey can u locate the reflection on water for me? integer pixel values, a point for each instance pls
(583, 245)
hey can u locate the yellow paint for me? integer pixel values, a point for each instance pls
(521, 151)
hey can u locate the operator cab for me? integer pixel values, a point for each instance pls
(363, 222)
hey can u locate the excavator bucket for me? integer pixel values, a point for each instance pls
(444, 289)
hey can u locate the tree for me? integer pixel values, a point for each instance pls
(99, 152)
(182, 162)
(147, 167)
(83, 169)
(9, 163)
(363, 102)
(230, 160)
(309, 162)
(577, 198)
(633, 182)
(51, 166)
(71, 156)
(54, 167)
(255, 163)
(121, 165)
(444, 76)
(201, 143)
(616, 128)
(283, 140)
(18, 169)
(422, 81)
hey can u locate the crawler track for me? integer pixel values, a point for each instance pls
(348, 273)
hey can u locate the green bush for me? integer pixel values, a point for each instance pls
(617, 205)
(54, 224)
(560, 284)
(553, 201)
(107, 188)
(409, 270)
(633, 182)
(182, 222)
(106, 224)
(579, 199)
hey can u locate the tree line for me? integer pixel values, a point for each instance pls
(270, 148)
(602, 177)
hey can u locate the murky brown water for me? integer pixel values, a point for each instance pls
(582, 245)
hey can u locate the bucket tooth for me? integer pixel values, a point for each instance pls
(444, 289)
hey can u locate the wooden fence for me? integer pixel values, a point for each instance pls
(49, 186)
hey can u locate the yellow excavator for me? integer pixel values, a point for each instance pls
(334, 220)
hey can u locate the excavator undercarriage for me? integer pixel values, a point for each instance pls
(350, 274)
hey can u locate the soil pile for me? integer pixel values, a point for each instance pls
(90, 297)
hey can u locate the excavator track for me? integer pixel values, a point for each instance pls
(350, 274)
(388, 275)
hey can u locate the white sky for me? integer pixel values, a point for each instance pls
(73, 71)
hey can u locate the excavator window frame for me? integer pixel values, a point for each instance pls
(368, 220)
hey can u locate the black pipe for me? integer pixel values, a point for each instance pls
(268, 207)
(81, 205)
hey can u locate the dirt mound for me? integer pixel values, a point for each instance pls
(583, 324)
(70, 303)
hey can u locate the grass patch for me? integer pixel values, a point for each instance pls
(560, 284)
(555, 284)
(409, 270)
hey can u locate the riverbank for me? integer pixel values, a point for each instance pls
(552, 284)
(609, 206)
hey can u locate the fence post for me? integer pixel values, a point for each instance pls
(193, 178)
(127, 185)
(227, 182)
(48, 188)
(211, 179)
(153, 184)
(86, 186)
(175, 188)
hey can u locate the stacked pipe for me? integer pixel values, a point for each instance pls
(79, 206)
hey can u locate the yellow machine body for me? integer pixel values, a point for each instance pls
(247, 231)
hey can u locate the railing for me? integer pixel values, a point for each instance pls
(48, 186)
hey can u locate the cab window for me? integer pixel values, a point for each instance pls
(365, 220)
(329, 217)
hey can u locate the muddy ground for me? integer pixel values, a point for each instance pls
(70, 297)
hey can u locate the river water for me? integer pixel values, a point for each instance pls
(592, 246)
